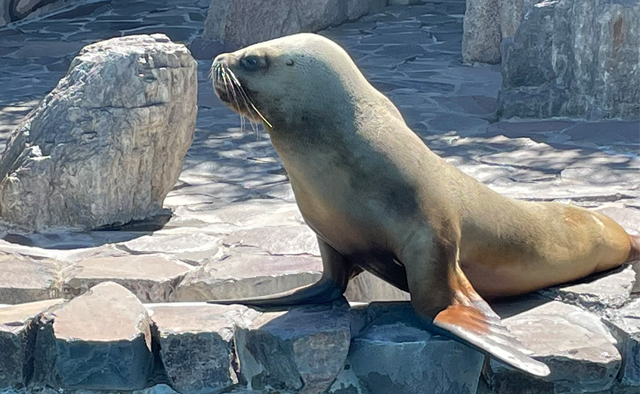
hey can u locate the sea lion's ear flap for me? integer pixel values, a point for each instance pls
(481, 328)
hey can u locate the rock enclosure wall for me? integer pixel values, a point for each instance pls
(576, 59)
(244, 22)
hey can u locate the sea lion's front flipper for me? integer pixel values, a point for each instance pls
(336, 272)
(485, 331)
(442, 295)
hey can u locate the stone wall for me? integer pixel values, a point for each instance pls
(14, 10)
(244, 22)
(574, 58)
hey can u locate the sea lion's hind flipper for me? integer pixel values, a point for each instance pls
(480, 327)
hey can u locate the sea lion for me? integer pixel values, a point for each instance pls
(380, 200)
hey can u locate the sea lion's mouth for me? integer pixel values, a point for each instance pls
(230, 91)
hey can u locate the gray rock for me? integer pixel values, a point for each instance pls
(486, 23)
(301, 350)
(193, 247)
(17, 333)
(574, 344)
(158, 389)
(245, 274)
(100, 340)
(107, 145)
(152, 278)
(197, 344)
(598, 293)
(347, 383)
(564, 62)
(625, 327)
(367, 287)
(393, 354)
(284, 240)
(26, 279)
(247, 22)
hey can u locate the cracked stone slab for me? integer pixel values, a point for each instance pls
(27, 279)
(598, 293)
(625, 327)
(392, 353)
(152, 278)
(185, 246)
(247, 214)
(283, 240)
(17, 333)
(247, 273)
(100, 340)
(197, 343)
(301, 349)
(574, 343)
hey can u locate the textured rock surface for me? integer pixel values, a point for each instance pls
(25, 279)
(574, 344)
(394, 355)
(599, 293)
(17, 334)
(107, 144)
(247, 22)
(625, 327)
(152, 278)
(367, 288)
(197, 344)
(565, 61)
(302, 350)
(99, 340)
(248, 275)
(486, 23)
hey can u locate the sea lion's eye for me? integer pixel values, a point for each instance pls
(290, 62)
(251, 63)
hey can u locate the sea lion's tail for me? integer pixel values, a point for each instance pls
(634, 253)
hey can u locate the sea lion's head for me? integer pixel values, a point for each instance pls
(288, 80)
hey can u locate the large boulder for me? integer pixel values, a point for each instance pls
(244, 22)
(107, 144)
(573, 58)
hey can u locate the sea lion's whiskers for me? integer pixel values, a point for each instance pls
(233, 94)
(244, 93)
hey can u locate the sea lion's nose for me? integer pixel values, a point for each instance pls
(224, 59)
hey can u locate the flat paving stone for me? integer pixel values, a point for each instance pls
(26, 279)
(247, 273)
(152, 278)
(574, 343)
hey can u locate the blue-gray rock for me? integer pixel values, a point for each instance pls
(625, 327)
(393, 354)
(197, 344)
(107, 144)
(100, 340)
(17, 333)
(300, 350)
(573, 58)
